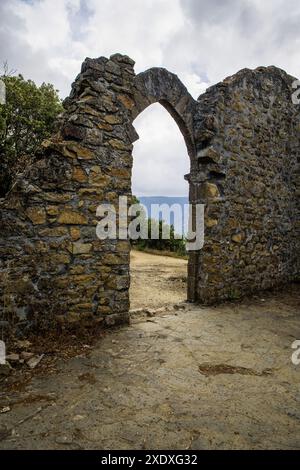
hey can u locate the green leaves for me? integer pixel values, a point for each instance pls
(28, 117)
(165, 239)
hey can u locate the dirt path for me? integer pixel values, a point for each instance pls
(156, 281)
(199, 378)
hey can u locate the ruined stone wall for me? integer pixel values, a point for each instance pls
(242, 137)
(248, 143)
(53, 266)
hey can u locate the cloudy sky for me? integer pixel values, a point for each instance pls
(202, 41)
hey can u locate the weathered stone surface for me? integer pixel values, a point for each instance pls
(210, 190)
(13, 357)
(113, 119)
(255, 173)
(79, 151)
(237, 238)
(72, 218)
(81, 248)
(211, 222)
(126, 101)
(79, 175)
(98, 178)
(5, 369)
(54, 232)
(75, 233)
(36, 215)
(52, 210)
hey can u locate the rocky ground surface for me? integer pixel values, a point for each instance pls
(183, 377)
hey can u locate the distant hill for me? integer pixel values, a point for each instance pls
(149, 201)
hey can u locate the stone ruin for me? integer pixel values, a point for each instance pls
(243, 140)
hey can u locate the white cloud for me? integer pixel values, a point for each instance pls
(160, 155)
(140, 29)
(202, 41)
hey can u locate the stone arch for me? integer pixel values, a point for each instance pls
(242, 136)
(158, 85)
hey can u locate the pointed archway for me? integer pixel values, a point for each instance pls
(158, 85)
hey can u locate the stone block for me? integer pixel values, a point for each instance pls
(69, 217)
(37, 215)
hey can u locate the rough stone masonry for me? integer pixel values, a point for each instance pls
(243, 139)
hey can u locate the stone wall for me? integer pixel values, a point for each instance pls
(248, 148)
(242, 137)
(53, 267)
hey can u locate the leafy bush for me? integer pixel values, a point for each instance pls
(172, 244)
(160, 228)
(28, 117)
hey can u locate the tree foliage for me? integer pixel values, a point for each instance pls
(26, 119)
(170, 243)
(166, 238)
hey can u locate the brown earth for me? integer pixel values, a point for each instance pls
(189, 377)
(156, 281)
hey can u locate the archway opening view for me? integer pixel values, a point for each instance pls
(158, 264)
